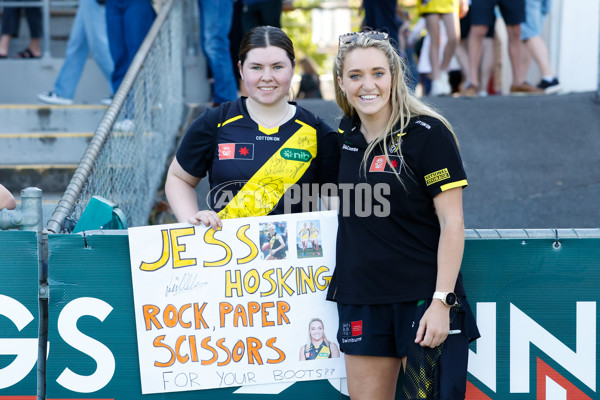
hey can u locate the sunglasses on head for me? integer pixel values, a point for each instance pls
(352, 36)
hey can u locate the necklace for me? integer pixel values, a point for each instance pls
(261, 122)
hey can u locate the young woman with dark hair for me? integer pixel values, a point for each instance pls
(254, 148)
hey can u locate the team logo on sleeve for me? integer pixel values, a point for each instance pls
(437, 176)
(236, 151)
(380, 164)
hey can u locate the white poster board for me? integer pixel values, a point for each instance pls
(219, 309)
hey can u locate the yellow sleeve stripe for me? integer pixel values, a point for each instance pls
(230, 120)
(453, 185)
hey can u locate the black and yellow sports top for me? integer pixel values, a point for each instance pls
(251, 167)
(388, 253)
(315, 353)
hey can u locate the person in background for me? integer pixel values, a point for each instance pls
(434, 12)
(261, 12)
(7, 200)
(536, 12)
(310, 86)
(482, 15)
(401, 303)
(407, 50)
(215, 23)
(424, 67)
(381, 15)
(11, 21)
(88, 35)
(487, 55)
(240, 142)
(128, 23)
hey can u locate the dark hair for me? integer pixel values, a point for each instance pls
(264, 36)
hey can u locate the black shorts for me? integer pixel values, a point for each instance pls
(389, 330)
(279, 254)
(465, 26)
(482, 11)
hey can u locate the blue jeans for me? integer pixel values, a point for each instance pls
(535, 16)
(128, 22)
(88, 34)
(215, 23)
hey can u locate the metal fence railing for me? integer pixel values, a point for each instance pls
(126, 159)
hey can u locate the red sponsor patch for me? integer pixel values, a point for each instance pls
(226, 151)
(380, 164)
(356, 328)
(236, 151)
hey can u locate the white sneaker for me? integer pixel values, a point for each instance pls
(439, 88)
(53, 98)
(446, 82)
(106, 101)
(125, 125)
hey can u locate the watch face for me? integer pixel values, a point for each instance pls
(450, 299)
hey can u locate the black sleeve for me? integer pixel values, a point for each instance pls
(196, 151)
(441, 162)
(328, 156)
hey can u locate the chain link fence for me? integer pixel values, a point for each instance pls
(126, 158)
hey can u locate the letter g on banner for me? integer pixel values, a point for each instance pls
(24, 349)
(105, 361)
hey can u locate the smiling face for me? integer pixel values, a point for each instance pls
(315, 330)
(267, 74)
(367, 81)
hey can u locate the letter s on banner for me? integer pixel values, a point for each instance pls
(24, 349)
(105, 361)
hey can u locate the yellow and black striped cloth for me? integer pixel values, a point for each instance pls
(421, 376)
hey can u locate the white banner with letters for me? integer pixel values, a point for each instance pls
(240, 306)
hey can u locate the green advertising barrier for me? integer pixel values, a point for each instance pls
(18, 313)
(536, 307)
(535, 300)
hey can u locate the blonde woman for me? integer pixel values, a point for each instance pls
(318, 347)
(401, 304)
